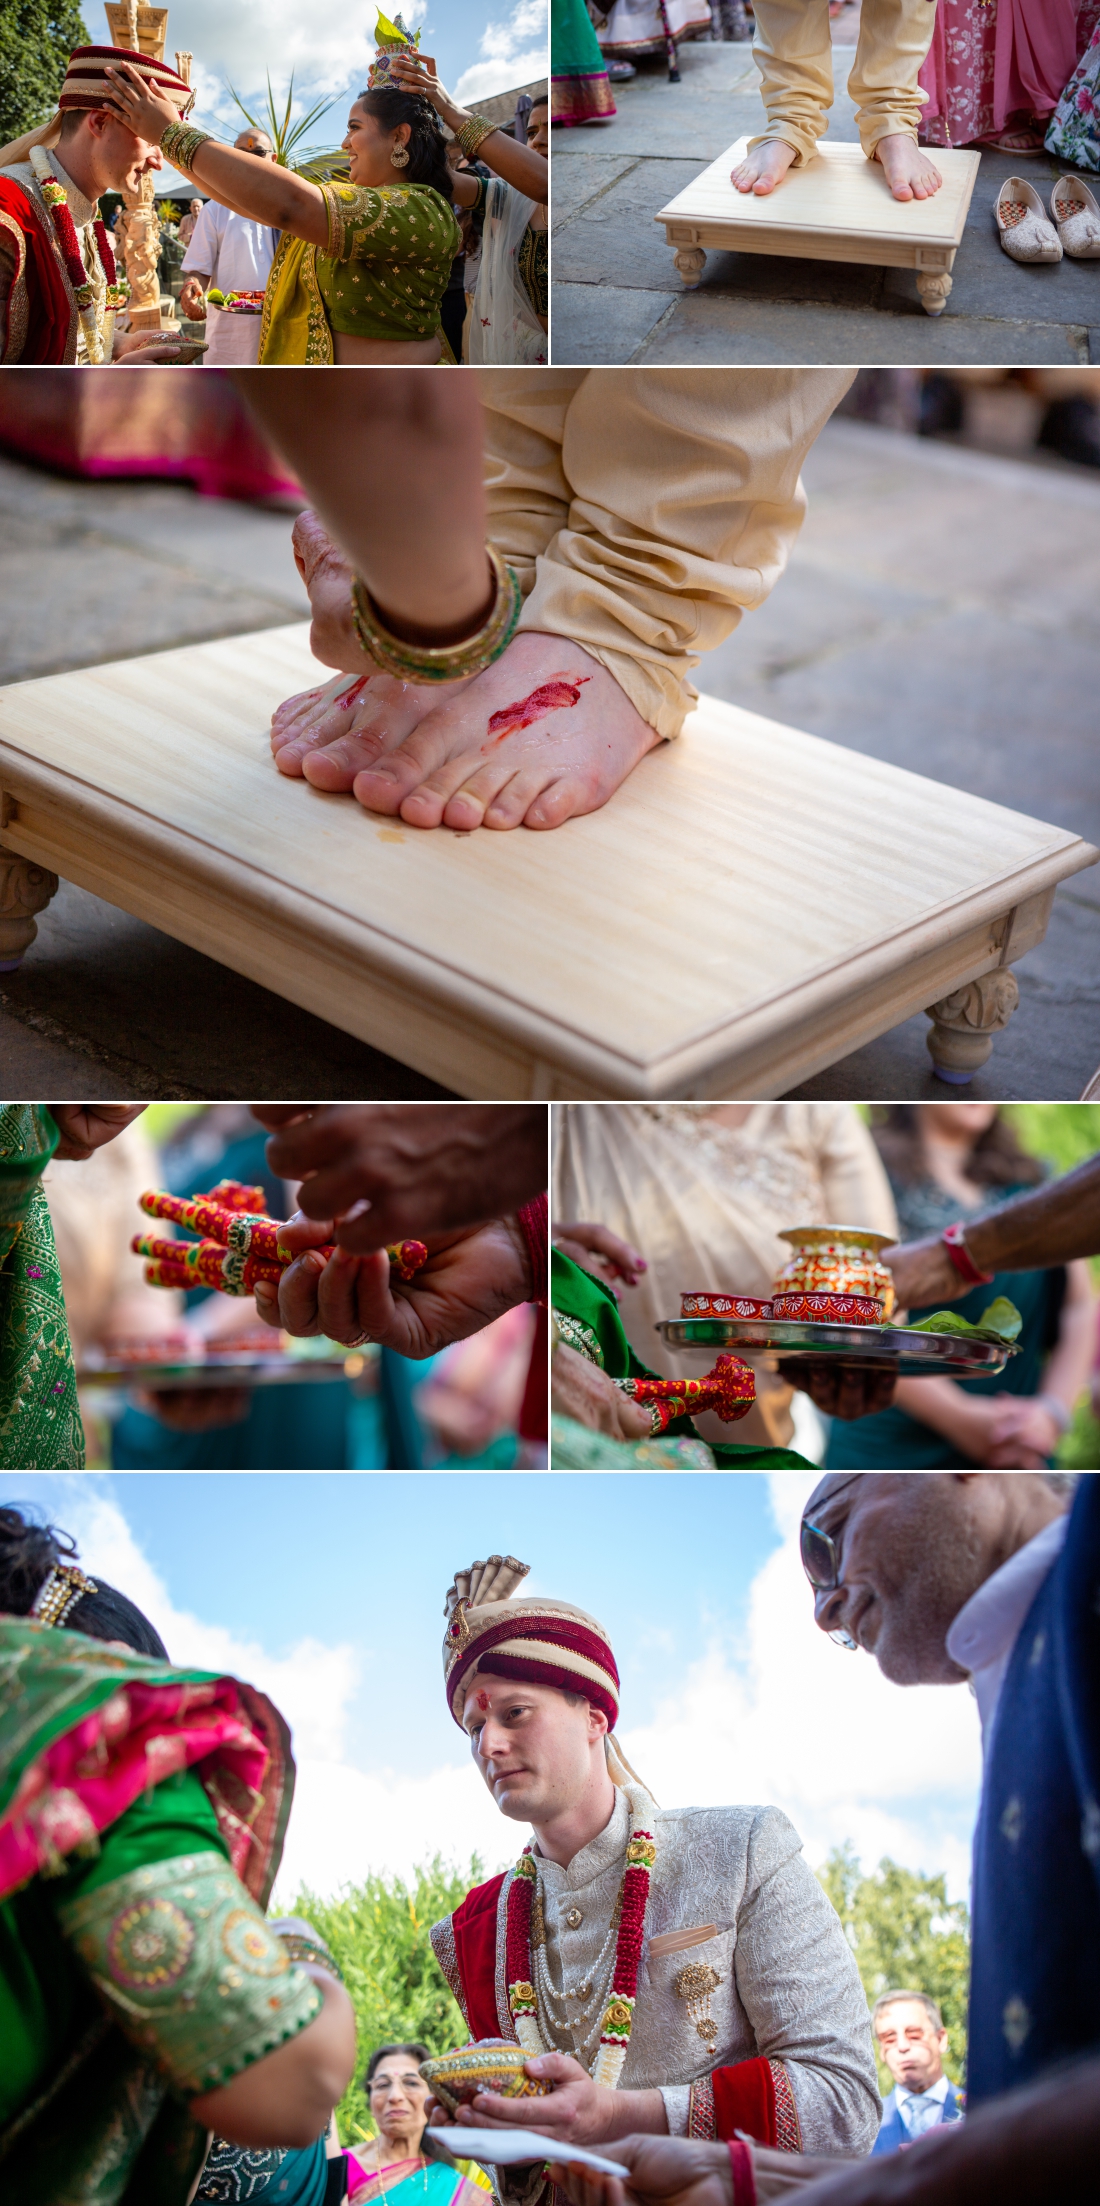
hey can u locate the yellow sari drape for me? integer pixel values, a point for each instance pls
(398, 242)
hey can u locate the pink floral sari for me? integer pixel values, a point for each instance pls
(995, 62)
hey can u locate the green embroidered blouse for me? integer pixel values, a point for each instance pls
(40, 1424)
(389, 257)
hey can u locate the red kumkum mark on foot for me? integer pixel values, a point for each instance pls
(347, 697)
(561, 690)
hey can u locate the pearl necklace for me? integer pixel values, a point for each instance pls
(583, 2024)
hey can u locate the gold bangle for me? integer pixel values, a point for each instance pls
(181, 143)
(447, 662)
(470, 134)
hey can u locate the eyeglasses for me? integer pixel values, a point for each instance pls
(821, 1563)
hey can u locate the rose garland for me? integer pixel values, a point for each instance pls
(57, 201)
(618, 2016)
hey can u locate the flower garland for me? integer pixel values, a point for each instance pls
(57, 201)
(618, 2015)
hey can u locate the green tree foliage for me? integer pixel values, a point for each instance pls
(378, 1932)
(906, 1935)
(36, 39)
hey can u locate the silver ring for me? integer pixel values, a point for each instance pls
(359, 1341)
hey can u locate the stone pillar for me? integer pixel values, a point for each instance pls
(965, 1022)
(24, 889)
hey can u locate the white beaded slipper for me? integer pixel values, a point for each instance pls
(1078, 218)
(1025, 232)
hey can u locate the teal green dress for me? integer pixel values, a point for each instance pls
(894, 1441)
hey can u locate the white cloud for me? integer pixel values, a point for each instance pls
(512, 52)
(348, 1823)
(793, 1720)
(312, 1685)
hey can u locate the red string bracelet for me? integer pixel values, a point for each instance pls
(955, 1244)
(744, 2174)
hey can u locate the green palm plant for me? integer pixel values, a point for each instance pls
(318, 165)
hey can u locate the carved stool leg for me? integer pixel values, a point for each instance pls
(691, 261)
(965, 1022)
(934, 288)
(24, 889)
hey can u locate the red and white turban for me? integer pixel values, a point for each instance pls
(541, 1641)
(87, 84)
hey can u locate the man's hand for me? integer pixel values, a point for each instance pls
(614, 1258)
(840, 1388)
(580, 1391)
(923, 1273)
(195, 1408)
(468, 1280)
(677, 2171)
(193, 299)
(394, 1171)
(85, 1127)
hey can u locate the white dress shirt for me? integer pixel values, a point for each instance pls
(986, 1629)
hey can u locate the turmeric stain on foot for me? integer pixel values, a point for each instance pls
(561, 690)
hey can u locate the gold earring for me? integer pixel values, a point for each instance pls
(399, 158)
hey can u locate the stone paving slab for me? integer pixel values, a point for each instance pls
(715, 329)
(585, 332)
(578, 182)
(998, 311)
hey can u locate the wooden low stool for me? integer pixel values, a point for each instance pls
(838, 207)
(752, 905)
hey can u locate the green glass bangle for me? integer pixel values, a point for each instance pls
(449, 662)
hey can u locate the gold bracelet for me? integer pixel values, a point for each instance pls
(470, 134)
(447, 662)
(181, 143)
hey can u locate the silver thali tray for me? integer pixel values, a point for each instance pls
(910, 1353)
(247, 1368)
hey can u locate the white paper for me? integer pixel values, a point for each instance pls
(517, 2148)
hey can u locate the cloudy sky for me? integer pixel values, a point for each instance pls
(481, 46)
(327, 1591)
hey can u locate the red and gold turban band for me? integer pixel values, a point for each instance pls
(87, 85)
(539, 1641)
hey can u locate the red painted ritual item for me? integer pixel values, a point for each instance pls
(562, 690)
(724, 1305)
(730, 1390)
(240, 1244)
(829, 1309)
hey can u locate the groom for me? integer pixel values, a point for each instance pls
(676, 1971)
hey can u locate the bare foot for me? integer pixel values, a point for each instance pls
(544, 734)
(909, 172)
(763, 168)
(325, 736)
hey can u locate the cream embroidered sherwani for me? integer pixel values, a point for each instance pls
(645, 509)
(788, 1985)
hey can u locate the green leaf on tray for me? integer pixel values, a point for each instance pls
(999, 1322)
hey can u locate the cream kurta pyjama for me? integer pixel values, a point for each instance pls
(788, 1985)
(794, 52)
(646, 509)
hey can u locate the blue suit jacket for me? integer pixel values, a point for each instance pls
(893, 2132)
(1036, 1952)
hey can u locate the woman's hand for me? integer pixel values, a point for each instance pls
(615, 1259)
(468, 1280)
(85, 1127)
(141, 109)
(581, 1391)
(417, 73)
